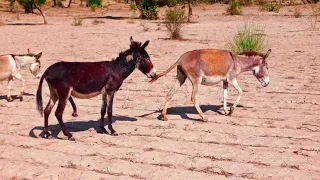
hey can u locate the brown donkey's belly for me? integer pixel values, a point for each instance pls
(212, 80)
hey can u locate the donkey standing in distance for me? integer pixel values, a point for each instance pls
(11, 65)
(88, 79)
(211, 66)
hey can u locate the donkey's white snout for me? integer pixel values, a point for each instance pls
(38, 75)
(152, 73)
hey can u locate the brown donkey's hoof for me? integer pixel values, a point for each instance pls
(71, 139)
(231, 111)
(9, 99)
(21, 98)
(205, 119)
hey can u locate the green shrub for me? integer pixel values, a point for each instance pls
(249, 37)
(149, 9)
(175, 17)
(234, 8)
(271, 7)
(94, 3)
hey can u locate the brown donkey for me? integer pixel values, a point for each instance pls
(11, 65)
(211, 66)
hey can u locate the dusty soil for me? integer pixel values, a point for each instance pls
(274, 134)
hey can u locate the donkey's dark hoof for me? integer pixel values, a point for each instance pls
(231, 111)
(21, 98)
(9, 99)
(75, 114)
(71, 139)
(103, 130)
(114, 134)
(47, 135)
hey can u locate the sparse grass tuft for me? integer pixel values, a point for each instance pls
(144, 26)
(297, 12)
(234, 8)
(175, 17)
(97, 21)
(77, 21)
(249, 37)
(271, 7)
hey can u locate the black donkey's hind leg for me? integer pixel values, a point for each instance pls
(74, 107)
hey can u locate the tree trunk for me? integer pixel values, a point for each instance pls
(54, 3)
(189, 10)
(42, 14)
(29, 7)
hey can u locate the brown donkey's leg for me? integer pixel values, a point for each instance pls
(103, 112)
(237, 87)
(194, 98)
(225, 96)
(64, 95)
(74, 107)
(9, 98)
(181, 78)
(18, 76)
(47, 111)
(110, 97)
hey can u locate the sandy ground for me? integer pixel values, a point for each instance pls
(274, 134)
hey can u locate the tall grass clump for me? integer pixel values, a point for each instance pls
(234, 8)
(77, 21)
(271, 7)
(175, 17)
(249, 37)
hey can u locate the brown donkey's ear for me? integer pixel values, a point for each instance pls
(267, 54)
(38, 56)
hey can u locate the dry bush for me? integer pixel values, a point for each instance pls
(175, 17)
(77, 21)
(297, 12)
(314, 17)
(234, 8)
(144, 26)
(97, 21)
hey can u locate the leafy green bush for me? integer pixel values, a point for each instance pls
(234, 8)
(175, 17)
(94, 3)
(249, 37)
(271, 7)
(149, 9)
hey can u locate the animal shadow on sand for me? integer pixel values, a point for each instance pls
(77, 126)
(14, 97)
(183, 111)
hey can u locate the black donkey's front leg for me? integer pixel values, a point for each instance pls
(103, 113)
(110, 96)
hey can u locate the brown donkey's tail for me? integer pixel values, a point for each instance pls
(39, 95)
(156, 77)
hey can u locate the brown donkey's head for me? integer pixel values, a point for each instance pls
(261, 71)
